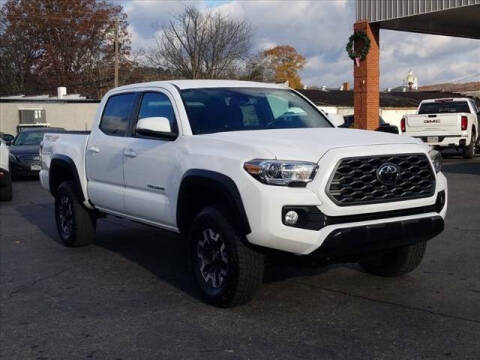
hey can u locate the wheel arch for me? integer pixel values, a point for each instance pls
(63, 168)
(200, 188)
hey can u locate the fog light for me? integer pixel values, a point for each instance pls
(291, 217)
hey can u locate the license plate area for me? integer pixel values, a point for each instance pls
(432, 139)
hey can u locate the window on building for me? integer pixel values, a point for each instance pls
(32, 116)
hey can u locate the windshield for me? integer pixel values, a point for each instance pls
(29, 138)
(444, 107)
(234, 109)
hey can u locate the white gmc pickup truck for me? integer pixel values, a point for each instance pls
(244, 170)
(445, 123)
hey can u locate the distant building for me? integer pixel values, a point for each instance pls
(410, 84)
(72, 112)
(468, 89)
(393, 105)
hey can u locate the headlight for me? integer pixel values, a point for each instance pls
(284, 173)
(12, 157)
(437, 159)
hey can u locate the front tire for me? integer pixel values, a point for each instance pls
(396, 262)
(227, 271)
(76, 224)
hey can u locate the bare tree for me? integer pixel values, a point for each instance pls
(199, 44)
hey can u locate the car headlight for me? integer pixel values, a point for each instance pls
(12, 157)
(284, 173)
(437, 159)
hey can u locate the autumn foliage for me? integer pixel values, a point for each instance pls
(50, 43)
(285, 62)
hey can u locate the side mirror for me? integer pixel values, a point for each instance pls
(336, 119)
(155, 126)
(8, 138)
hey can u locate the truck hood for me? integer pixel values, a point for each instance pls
(307, 144)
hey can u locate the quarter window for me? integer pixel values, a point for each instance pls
(116, 114)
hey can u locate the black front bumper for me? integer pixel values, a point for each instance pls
(23, 168)
(368, 239)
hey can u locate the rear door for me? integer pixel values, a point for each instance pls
(151, 167)
(104, 153)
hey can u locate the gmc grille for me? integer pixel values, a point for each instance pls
(355, 180)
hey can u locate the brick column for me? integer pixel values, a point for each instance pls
(367, 80)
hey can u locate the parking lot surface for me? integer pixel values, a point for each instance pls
(130, 296)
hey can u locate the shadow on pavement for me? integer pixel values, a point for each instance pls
(468, 168)
(164, 254)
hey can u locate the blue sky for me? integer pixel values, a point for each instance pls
(319, 29)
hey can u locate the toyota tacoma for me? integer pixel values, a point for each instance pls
(243, 170)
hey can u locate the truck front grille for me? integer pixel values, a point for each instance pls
(358, 181)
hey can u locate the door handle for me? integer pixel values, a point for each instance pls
(94, 149)
(130, 153)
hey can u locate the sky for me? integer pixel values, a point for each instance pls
(319, 30)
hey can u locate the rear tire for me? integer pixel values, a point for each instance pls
(227, 270)
(469, 151)
(396, 262)
(6, 191)
(76, 224)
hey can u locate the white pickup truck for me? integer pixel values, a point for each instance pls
(445, 123)
(243, 170)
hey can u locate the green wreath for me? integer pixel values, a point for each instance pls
(362, 54)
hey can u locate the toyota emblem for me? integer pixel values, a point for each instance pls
(388, 174)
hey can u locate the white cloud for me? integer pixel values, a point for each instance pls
(319, 30)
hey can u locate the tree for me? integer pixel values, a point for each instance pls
(60, 43)
(279, 64)
(199, 44)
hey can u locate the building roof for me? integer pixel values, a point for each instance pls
(387, 99)
(457, 87)
(43, 100)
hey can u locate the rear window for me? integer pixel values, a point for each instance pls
(444, 107)
(116, 114)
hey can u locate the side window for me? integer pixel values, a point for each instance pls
(156, 104)
(116, 114)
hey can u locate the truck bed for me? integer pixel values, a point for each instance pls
(70, 145)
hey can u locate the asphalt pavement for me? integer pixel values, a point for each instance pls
(130, 296)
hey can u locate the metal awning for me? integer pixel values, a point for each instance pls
(459, 18)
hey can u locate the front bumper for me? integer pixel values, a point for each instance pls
(25, 167)
(368, 239)
(265, 204)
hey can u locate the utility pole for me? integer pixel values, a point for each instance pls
(116, 52)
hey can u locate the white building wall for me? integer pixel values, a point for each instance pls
(71, 116)
(392, 116)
